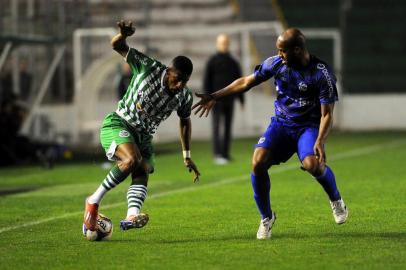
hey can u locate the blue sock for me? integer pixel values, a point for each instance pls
(262, 186)
(328, 182)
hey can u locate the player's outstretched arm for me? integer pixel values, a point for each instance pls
(207, 101)
(185, 137)
(119, 41)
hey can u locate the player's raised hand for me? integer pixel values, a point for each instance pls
(204, 105)
(192, 167)
(126, 29)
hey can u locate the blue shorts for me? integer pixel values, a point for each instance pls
(284, 139)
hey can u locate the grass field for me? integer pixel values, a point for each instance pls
(212, 224)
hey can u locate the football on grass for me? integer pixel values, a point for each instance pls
(104, 229)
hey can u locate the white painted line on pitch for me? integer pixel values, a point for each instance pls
(353, 153)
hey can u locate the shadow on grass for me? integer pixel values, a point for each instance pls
(11, 191)
(185, 240)
(342, 235)
(401, 236)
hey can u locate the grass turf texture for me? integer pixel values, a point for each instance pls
(213, 224)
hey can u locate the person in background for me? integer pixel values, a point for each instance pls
(221, 70)
(25, 81)
(124, 80)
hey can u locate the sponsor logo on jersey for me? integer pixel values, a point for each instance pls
(124, 133)
(261, 140)
(324, 70)
(321, 66)
(138, 106)
(141, 59)
(302, 86)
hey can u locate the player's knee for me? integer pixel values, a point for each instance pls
(311, 165)
(259, 167)
(129, 164)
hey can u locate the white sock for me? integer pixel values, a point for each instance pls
(133, 211)
(113, 178)
(97, 196)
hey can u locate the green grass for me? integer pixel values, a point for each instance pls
(212, 224)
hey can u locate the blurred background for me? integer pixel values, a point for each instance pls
(59, 75)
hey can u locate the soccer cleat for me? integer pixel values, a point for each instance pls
(90, 216)
(340, 211)
(265, 227)
(132, 222)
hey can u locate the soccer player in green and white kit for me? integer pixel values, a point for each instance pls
(154, 93)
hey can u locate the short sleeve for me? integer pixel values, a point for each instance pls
(267, 69)
(327, 85)
(186, 107)
(138, 61)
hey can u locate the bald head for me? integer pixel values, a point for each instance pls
(292, 38)
(291, 46)
(223, 43)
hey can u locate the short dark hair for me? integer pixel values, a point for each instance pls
(183, 64)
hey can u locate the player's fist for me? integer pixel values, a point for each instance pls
(126, 29)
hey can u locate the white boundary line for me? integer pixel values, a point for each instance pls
(353, 153)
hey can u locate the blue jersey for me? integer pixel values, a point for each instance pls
(299, 91)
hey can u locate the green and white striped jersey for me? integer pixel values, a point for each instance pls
(147, 103)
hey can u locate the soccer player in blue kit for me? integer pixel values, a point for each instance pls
(306, 93)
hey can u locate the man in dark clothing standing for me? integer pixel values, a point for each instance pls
(124, 81)
(221, 70)
(25, 82)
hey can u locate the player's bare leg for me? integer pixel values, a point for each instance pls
(324, 175)
(129, 158)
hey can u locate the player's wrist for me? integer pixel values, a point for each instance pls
(123, 35)
(320, 141)
(186, 154)
(212, 97)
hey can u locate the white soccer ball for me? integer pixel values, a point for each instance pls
(104, 229)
